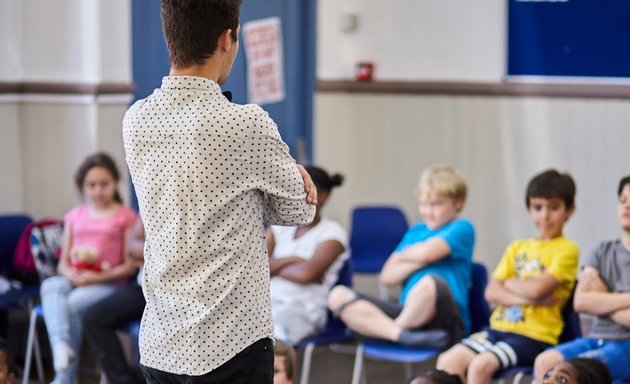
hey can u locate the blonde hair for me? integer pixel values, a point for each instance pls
(285, 350)
(442, 180)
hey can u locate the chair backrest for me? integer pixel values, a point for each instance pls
(479, 308)
(11, 228)
(571, 329)
(375, 233)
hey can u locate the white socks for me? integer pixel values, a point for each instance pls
(62, 355)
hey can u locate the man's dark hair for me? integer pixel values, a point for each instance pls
(625, 181)
(550, 184)
(192, 28)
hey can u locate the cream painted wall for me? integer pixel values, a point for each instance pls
(55, 139)
(45, 137)
(381, 143)
(10, 39)
(413, 40)
(76, 41)
(11, 199)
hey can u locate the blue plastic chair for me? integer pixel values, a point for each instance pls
(479, 313)
(335, 330)
(375, 233)
(570, 331)
(11, 228)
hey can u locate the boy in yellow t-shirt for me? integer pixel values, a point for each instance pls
(529, 288)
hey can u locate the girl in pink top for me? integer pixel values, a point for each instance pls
(94, 259)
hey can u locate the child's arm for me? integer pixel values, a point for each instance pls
(498, 294)
(402, 264)
(312, 270)
(621, 317)
(592, 296)
(536, 288)
(63, 268)
(276, 265)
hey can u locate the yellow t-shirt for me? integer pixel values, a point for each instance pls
(529, 258)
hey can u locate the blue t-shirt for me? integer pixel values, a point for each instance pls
(454, 269)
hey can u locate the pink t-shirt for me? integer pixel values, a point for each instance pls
(105, 235)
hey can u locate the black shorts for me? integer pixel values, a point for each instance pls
(446, 317)
(510, 348)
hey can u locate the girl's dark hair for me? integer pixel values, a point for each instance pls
(552, 184)
(101, 160)
(590, 371)
(4, 347)
(622, 184)
(192, 28)
(438, 376)
(322, 180)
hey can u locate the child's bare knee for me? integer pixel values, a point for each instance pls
(446, 360)
(338, 296)
(483, 367)
(425, 287)
(454, 360)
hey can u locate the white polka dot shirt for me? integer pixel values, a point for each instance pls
(208, 175)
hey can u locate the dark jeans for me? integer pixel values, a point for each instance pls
(253, 365)
(102, 320)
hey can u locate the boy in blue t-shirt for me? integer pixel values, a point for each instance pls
(433, 264)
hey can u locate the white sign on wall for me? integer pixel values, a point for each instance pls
(265, 60)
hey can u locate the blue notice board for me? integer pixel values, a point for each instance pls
(578, 38)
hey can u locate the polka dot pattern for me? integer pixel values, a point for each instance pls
(209, 175)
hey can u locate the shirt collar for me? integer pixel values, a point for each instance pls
(190, 82)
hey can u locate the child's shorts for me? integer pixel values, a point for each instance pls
(510, 348)
(613, 353)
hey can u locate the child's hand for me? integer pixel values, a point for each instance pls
(591, 281)
(82, 278)
(548, 301)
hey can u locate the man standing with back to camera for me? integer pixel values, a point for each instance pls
(208, 174)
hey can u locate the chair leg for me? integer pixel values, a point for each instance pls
(30, 343)
(306, 363)
(38, 359)
(408, 372)
(518, 378)
(357, 372)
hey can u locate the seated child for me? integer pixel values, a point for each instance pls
(283, 363)
(304, 263)
(436, 376)
(603, 290)
(577, 371)
(7, 369)
(529, 288)
(433, 263)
